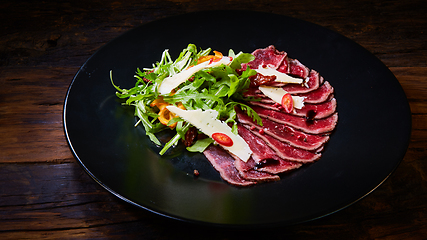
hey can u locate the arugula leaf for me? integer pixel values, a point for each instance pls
(251, 113)
(200, 145)
(147, 126)
(176, 138)
(234, 84)
(241, 58)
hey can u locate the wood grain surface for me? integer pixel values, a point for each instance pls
(45, 194)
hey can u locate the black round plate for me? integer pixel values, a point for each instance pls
(368, 144)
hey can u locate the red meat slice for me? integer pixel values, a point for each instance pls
(285, 150)
(270, 167)
(249, 170)
(268, 56)
(260, 151)
(297, 69)
(313, 83)
(316, 126)
(223, 162)
(285, 133)
(321, 94)
(309, 111)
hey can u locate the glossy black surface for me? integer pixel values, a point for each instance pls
(368, 144)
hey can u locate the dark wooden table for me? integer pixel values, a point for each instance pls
(44, 193)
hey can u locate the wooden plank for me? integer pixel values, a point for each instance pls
(413, 80)
(60, 200)
(394, 30)
(57, 197)
(31, 106)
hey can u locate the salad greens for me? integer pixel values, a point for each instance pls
(219, 88)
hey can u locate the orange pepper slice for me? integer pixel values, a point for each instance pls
(164, 114)
(157, 102)
(213, 58)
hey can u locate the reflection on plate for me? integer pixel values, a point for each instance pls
(368, 144)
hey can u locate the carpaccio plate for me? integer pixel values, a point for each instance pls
(367, 145)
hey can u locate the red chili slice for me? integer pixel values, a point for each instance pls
(287, 102)
(222, 139)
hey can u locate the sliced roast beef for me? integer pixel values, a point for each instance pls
(315, 126)
(260, 150)
(268, 56)
(244, 174)
(309, 111)
(278, 166)
(297, 69)
(313, 83)
(285, 66)
(259, 176)
(269, 166)
(272, 156)
(223, 162)
(248, 170)
(267, 100)
(272, 58)
(285, 150)
(254, 92)
(317, 111)
(321, 94)
(285, 133)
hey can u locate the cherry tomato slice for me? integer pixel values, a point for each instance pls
(287, 103)
(222, 139)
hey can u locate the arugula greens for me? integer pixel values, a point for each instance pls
(219, 88)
